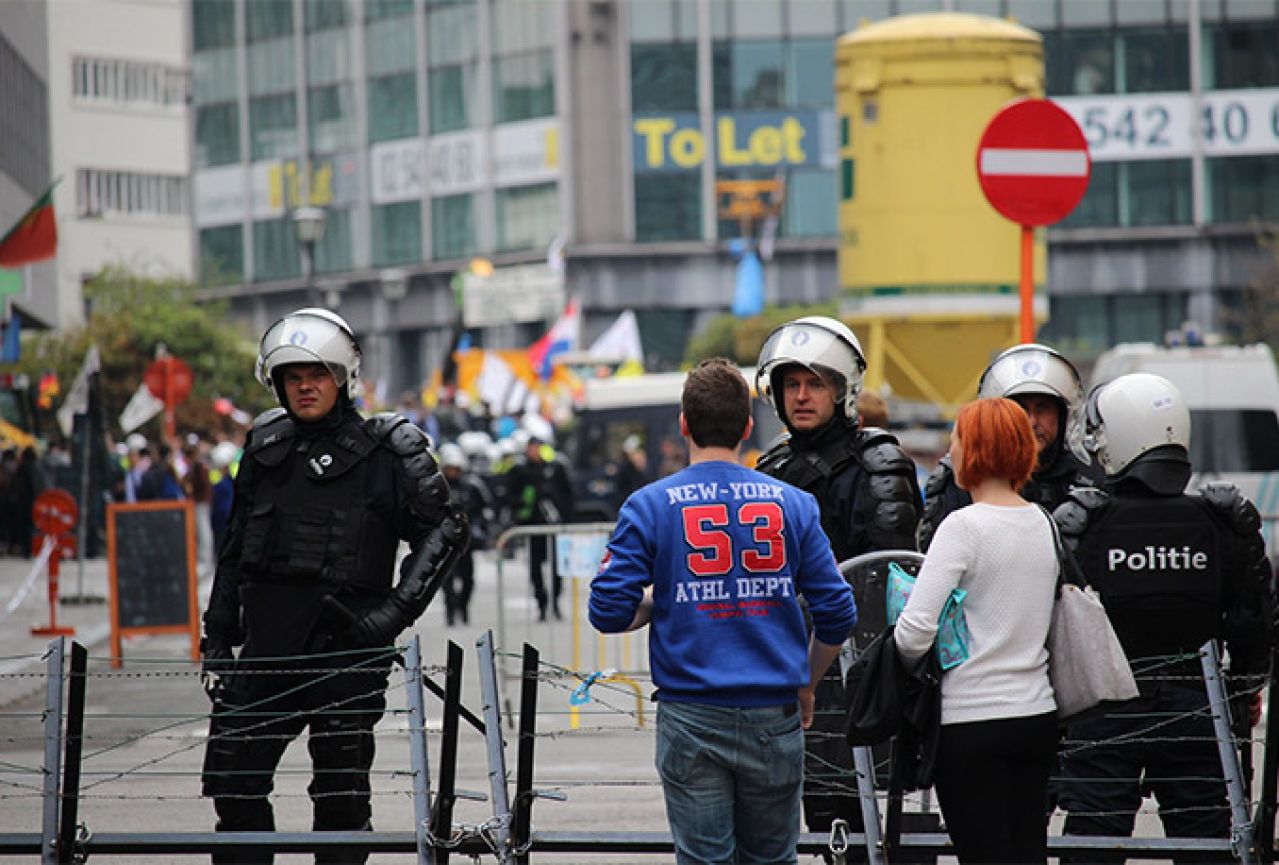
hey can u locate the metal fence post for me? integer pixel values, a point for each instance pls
(52, 749)
(417, 749)
(501, 839)
(70, 797)
(1241, 823)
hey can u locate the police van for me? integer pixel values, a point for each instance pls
(1233, 396)
(611, 410)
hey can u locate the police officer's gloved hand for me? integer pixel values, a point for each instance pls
(379, 627)
(216, 659)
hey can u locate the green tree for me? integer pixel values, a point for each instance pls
(129, 316)
(740, 339)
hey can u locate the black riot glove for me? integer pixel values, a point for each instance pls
(216, 659)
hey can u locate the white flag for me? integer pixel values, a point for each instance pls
(77, 401)
(142, 406)
(621, 341)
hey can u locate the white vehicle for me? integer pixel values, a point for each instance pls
(611, 410)
(1233, 396)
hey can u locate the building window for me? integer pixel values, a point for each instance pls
(324, 14)
(273, 127)
(1155, 60)
(668, 207)
(453, 226)
(222, 255)
(267, 19)
(1083, 326)
(397, 233)
(1158, 192)
(24, 121)
(125, 82)
(528, 217)
(452, 95)
(663, 78)
(376, 10)
(748, 74)
(333, 252)
(217, 134)
(125, 193)
(275, 250)
(331, 116)
(1243, 188)
(810, 73)
(1080, 62)
(524, 86)
(393, 107)
(1244, 54)
(212, 24)
(1100, 205)
(812, 203)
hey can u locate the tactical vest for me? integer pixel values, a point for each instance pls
(1158, 563)
(311, 523)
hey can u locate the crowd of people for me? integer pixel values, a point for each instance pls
(734, 572)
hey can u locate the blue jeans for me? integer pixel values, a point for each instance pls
(732, 781)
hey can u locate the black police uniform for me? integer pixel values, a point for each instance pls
(539, 494)
(865, 486)
(471, 497)
(304, 586)
(1047, 487)
(1174, 571)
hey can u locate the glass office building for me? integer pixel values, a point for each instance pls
(430, 132)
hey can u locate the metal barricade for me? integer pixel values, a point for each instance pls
(623, 657)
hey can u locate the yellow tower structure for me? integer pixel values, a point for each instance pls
(928, 270)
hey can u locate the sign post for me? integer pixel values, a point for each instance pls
(168, 378)
(1033, 166)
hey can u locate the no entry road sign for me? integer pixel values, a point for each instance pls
(1033, 162)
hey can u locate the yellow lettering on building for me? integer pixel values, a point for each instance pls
(322, 185)
(654, 130)
(552, 147)
(729, 155)
(792, 138)
(766, 145)
(688, 148)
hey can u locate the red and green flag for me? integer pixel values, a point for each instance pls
(34, 237)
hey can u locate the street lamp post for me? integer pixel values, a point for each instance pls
(308, 223)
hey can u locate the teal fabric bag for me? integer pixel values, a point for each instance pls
(952, 628)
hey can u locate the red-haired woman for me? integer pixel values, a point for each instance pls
(999, 729)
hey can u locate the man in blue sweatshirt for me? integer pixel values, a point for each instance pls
(716, 557)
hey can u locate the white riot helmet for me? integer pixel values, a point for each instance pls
(1034, 369)
(820, 344)
(452, 455)
(310, 335)
(1125, 418)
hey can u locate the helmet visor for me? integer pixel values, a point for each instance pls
(1031, 369)
(808, 345)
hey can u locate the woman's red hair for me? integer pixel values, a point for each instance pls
(996, 441)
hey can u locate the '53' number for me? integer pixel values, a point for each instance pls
(713, 547)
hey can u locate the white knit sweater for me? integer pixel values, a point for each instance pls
(1005, 559)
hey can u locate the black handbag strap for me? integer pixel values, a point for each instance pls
(1067, 568)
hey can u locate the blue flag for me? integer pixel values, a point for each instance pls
(748, 295)
(11, 350)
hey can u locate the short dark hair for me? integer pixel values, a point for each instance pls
(716, 403)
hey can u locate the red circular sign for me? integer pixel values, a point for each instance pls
(1033, 162)
(54, 511)
(168, 379)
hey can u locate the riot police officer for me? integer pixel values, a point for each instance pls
(323, 498)
(1174, 570)
(1047, 386)
(811, 371)
(471, 496)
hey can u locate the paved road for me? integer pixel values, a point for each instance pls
(145, 724)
